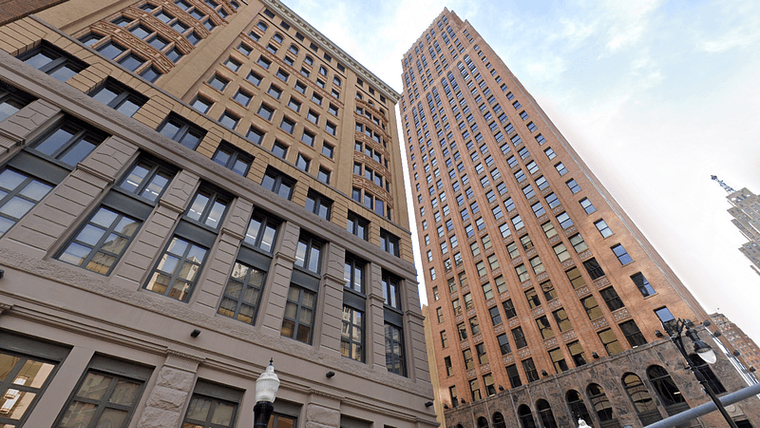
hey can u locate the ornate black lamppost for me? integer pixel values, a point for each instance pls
(704, 351)
(266, 392)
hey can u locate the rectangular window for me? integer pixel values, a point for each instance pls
(24, 378)
(514, 376)
(666, 318)
(593, 268)
(394, 349)
(318, 204)
(119, 97)
(233, 158)
(576, 352)
(587, 205)
(389, 243)
(69, 142)
(182, 131)
(495, 315)
(449, 368)
(357, 225)
(20, 193)
(632, 333)
(558, 360)
(309, 253)
(622, 254)
(298, 320)
(561, 169)
(560, 317)
(107, 393)
(480, 349)
(530, 370)
(278, 182)
(242, 294)
(519, 337)
(611, 298)
(602, 227)
(103, 239)
(57, 63)
(643, 285)
(352, 334)
(176, 273)
(573, 186)
(544, 327)
(522, 273)
(610, 342)
(591, 307)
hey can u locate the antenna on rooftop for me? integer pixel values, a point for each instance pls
(725, 186)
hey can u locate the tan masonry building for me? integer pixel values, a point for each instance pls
(188, 188)
(546, 302)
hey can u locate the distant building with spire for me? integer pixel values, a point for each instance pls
(745, 208)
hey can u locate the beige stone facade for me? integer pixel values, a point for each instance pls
(546, 302)
(180, 203)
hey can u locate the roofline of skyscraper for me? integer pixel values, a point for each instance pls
(300, 24)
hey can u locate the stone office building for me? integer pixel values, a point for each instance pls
(547, 303)
(188, 188)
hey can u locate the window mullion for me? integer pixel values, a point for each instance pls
(119, 99)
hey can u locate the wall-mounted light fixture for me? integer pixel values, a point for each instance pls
(330, 374)
(195, 333)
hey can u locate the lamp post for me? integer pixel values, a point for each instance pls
(266, 392)
(704, 351)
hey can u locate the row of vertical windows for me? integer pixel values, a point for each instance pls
(107, 393)
(103, 238)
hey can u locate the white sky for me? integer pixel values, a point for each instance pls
(655, 96)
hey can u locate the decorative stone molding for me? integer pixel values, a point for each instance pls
(524, 353)
(568, 335)
(508, 359)
(5, 307)
(550, 343)
(583, 291)
(538, 311)
(599, 323)
(91, 176)
(602, 282)
(182, 360)
(621, 314)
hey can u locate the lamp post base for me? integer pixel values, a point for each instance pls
(262, 411)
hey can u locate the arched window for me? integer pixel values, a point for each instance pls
(667, 390)
(602, 406)
(707, 373)
(526, 417)
(577, 407)
(642, 400)
(498, 421)
(545, 414)
(482, 422)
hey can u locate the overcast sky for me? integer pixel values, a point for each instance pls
(655, 96)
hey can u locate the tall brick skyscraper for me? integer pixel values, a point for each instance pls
(188, 188)
(547, 303)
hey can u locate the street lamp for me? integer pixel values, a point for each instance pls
(705, 353)
(266, 392)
